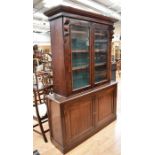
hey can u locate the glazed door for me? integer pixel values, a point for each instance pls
(78, 118)
(100, 54)
(105, 106)
(80, 54)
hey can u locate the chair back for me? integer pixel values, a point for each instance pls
(43, 79)
(43, 86)
(47, 62)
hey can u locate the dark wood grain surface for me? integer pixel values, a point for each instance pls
(62, 54)
(74, 119)
(77, 114)
(67, 9)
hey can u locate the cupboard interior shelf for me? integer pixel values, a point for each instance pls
(100, 64)
(99, 34)
(80, 32)
(80, 67)
(101, 41)
(80, 51)
(100, 50)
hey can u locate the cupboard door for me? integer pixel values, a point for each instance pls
(105, 106)
(80, 55)
(100, 48)
(78, 118)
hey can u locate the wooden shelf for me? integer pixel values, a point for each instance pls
(99, 34)
(100, 64)
(99, 50)
(79, 32)
(80, 67)
(101, 41)
(80, 51)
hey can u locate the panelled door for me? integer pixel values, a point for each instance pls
(78, 118)
(105, 106)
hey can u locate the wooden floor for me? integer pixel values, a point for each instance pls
(106, 142)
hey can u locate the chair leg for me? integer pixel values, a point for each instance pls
(42, 131)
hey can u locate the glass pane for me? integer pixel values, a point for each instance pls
(80, 56)
(101, 50)
(80, 78)
(100, 73)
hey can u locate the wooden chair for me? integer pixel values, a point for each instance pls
(37, 64)
(42, 87)
(47, 62)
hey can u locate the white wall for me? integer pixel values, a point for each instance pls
(41, 38)
(117, 31)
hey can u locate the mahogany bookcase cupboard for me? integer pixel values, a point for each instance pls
(84, 98)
